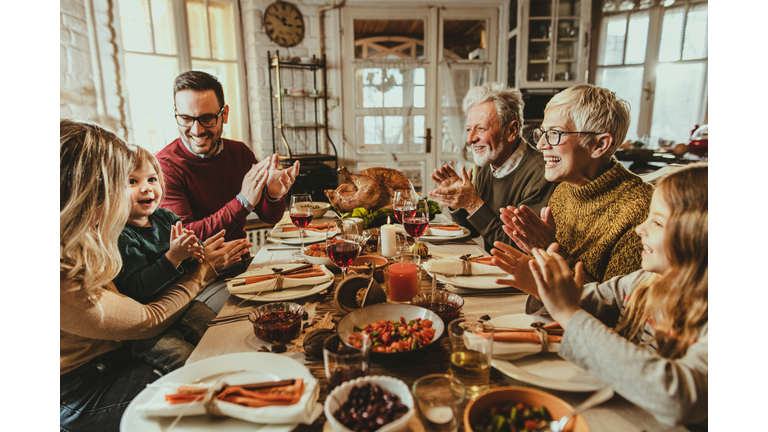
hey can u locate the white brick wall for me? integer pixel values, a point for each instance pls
(78, 92)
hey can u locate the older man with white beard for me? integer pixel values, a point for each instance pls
(510, 171)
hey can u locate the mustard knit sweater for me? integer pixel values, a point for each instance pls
(595, 223)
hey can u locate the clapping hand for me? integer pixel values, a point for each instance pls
(223, 254)
(515, 263)
(280, 181)
(455, 190)
(183, 245)
(527, 229)
(254, 181)
(559, 289)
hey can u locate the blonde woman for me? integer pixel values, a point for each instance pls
(98, 375)
(646, 333)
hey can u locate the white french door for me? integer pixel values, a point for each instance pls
(405, 73)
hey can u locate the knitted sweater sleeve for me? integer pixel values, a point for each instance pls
(674, 391)
(117, 317)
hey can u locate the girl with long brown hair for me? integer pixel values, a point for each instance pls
(646, 333)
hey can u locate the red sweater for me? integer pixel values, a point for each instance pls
(203, 192)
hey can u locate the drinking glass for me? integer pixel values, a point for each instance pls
(439, 398)
(418, 221)
(344, 247)
(344, 363)
(403, 203)
(301, 215)
(471, 353)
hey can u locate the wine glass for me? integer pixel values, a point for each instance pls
(301, 215)
(344, 247)
(403, 203)
(416, 224)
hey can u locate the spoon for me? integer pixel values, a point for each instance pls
(596, 399)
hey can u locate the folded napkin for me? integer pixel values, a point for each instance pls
(447, 231)
(311, 227)
(511, 344)
(316, 230)
(306, 410)
(450, 266)
(263, 279)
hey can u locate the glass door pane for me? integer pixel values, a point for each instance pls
(539, 48)
(675, 114)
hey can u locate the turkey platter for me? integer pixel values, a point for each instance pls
(372, 189)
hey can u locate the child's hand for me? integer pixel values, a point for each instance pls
(183, 245)
(559, 289)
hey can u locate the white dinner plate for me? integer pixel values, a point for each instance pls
(473, 282)
(297, 241)
(436, 239)
(544, 370)
(290, 293)
(257, 366)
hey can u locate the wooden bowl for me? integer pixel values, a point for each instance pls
(531, 397)
(359, 265)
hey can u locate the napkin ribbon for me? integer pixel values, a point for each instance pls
(466, 264)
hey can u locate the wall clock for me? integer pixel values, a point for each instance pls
(284, 23)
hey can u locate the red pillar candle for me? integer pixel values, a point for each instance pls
(403, 281)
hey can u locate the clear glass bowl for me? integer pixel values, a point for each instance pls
(278, 322)
(447, 304)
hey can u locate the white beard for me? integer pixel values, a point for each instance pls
(483, 159)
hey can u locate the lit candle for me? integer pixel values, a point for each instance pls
(388, 242)
(403, 281)
(439, 415)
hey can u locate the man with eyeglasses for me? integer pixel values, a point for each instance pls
(593, 213)
(509, 173)
(214, 183)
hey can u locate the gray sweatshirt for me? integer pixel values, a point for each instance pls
(674, 391)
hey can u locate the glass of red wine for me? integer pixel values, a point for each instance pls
(416, 224)
(301, 215)
(403, 203)
(344, 247)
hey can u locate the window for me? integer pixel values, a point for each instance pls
(157, 49)
(656, 59)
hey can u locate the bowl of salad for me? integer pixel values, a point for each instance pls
(319, 209)
(399, 332)
(518, 409)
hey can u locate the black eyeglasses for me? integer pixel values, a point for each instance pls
(553, 136)
(207, 120)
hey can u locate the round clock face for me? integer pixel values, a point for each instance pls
(284, 24)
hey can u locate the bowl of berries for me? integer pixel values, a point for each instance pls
(277, 322)
(372, 403)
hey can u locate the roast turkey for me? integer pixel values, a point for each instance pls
(372, 189)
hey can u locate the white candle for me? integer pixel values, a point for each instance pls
(388, 241)
(439, 414)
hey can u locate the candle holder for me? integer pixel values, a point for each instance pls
(402, 278)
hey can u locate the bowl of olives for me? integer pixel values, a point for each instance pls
(372, 403)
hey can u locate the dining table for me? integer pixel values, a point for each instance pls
(617, 414)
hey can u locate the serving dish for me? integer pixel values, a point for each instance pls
(317, 213)
(447, 305)
(532, 397)
(391, 385)
(370, 314)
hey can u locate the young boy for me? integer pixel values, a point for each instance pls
(156, 252)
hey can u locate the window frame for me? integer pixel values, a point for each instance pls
(184, 60)
(651, 62)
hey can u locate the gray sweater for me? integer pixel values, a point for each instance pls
(674, 391)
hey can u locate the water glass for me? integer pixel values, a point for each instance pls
(402, 278)
(344, 363)
(471, 354)
(439, 399)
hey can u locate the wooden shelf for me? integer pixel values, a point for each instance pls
(541, 40)
(567, 60)
(568, 39)
(543, 61)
